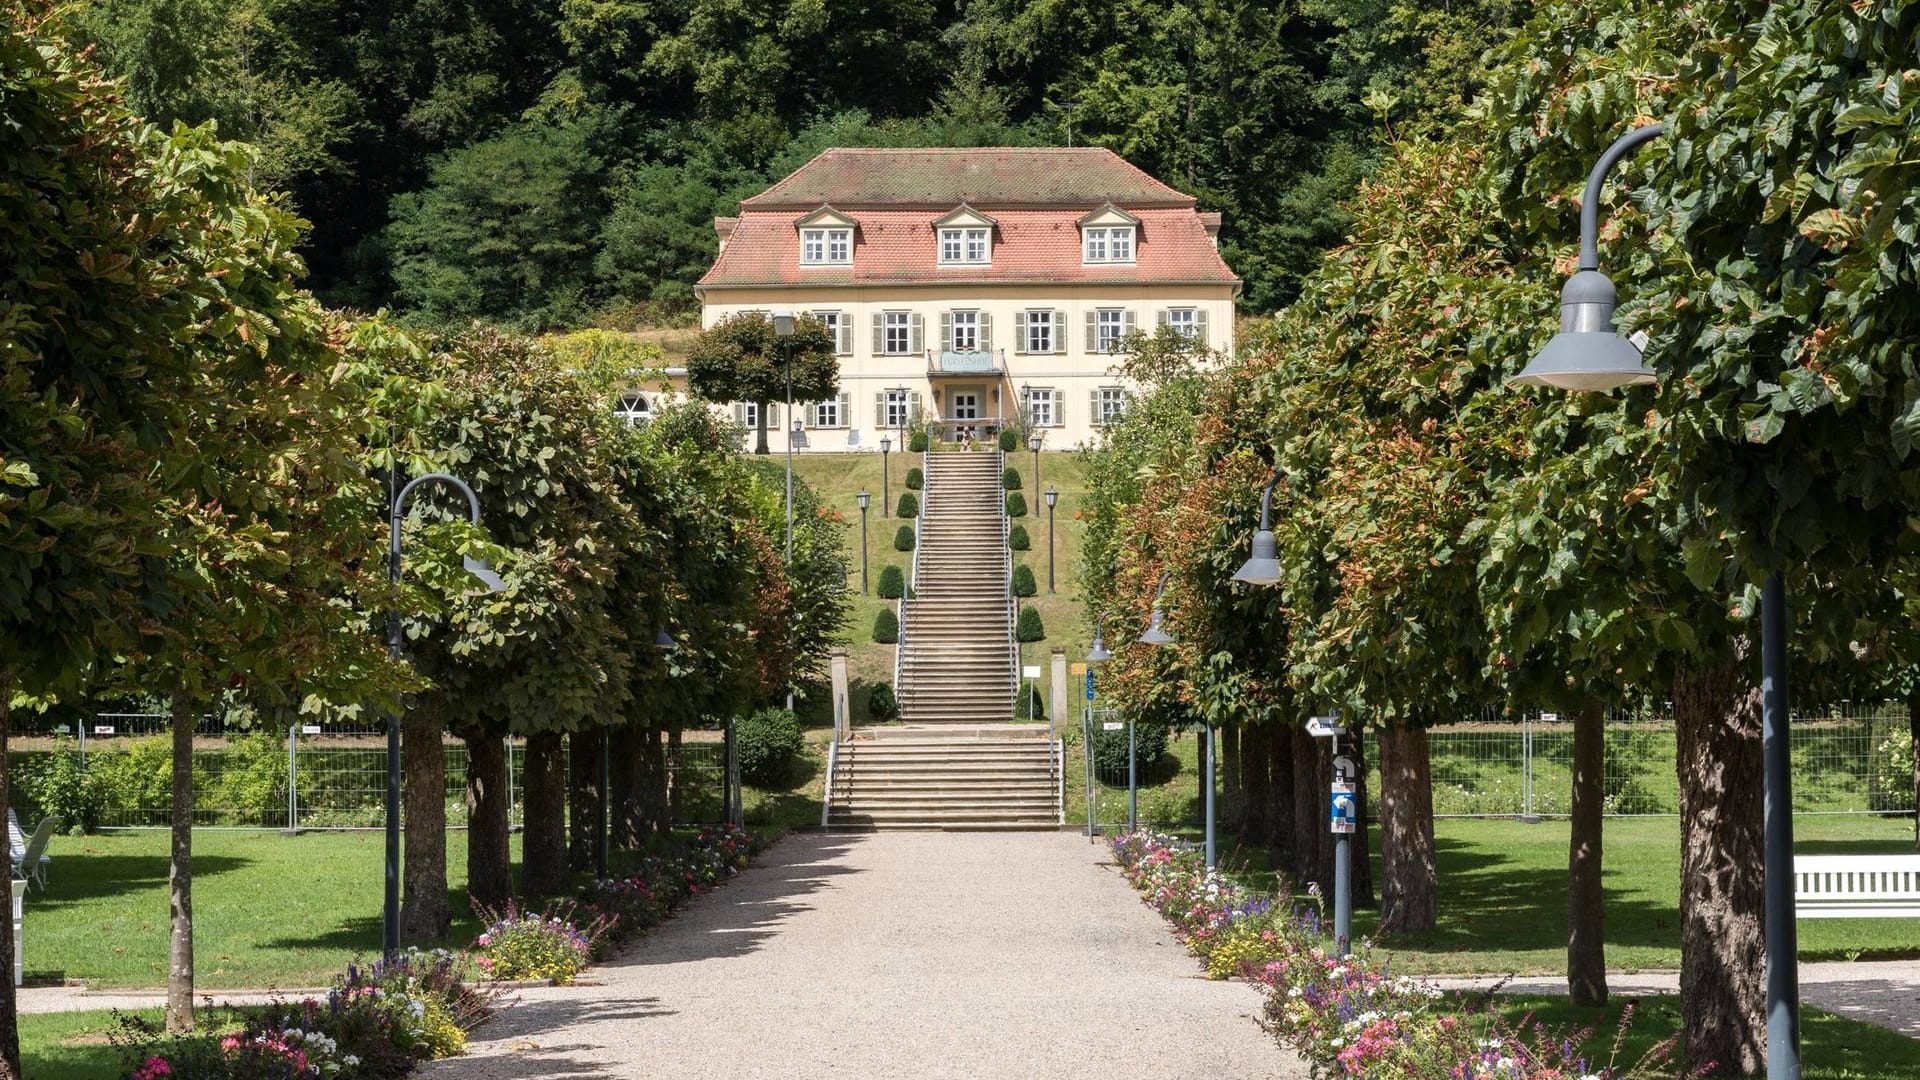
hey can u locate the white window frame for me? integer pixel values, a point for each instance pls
(1185, 321)
(966, 246)
(826, 246)
(1106, 244)
(900, 322)
(1043, 406)
(826, 414)
(1040, 331)
(971, 321)
(1112, 404)
(750, 415)
(1110, 329)
(634, 408)
(899, 410)
(840, 325)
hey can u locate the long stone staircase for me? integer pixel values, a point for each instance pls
(959, 762)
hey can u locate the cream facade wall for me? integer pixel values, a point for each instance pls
(1079, 383)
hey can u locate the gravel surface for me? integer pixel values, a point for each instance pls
(897, 955)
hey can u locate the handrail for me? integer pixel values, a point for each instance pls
(1060, 761)
(826, 802)
(1006, 575)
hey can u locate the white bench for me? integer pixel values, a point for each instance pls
(1856, 886)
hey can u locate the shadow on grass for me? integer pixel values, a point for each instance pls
(742, 914)
(83, 877)
(1853, 847)
(360, 934)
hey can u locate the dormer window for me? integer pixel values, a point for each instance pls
(965, 246)
(1107, 244)
(826, 247)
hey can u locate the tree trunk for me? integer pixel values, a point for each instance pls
(489, 859)
(583, 796)
(653, 768)
(1281, 809)
(1230, 809)
(622, 815)
(1716, 713)
(1586, 941)
(180, 872)
(1312, 853)
(543, 844)
(425, 912)
(1406, 831)
(9, 1000)
(1913, 735)
(760, 427)
(1252, 785)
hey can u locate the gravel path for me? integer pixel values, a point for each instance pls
(897, 955)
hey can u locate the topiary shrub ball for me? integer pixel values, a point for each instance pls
(1030, 628)
(909, 505)
(918, 443)
(893, 583)
(886, 627)
(903, 538)
(1009, 440)
(766, 744)
(916, 479)
(1033, 707)
(881, 704)
(1016, 504)
(1023, 583)
(1010, 478)
(1017, 538)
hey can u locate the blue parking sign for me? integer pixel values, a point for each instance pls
(1089, 686)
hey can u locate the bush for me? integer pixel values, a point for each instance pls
(916, 479)
(1030, 629)
(1017, 538)
(1009, 440)
(1023, 583)
(1110, 751)
(534, 945)
(903, 538)
(1893, 773)
(766, 744)
(60, 786)
(886, 627)
(893, 583)
(1016, 504)
(909, 505)
(917, 444)
(1033, 706)
(881, 704)
(1010, 478)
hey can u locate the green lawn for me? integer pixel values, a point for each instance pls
(1503, 896)
(269, 910)
(71, 1046)
(1832, 1047)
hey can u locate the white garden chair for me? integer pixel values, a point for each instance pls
(30, 859)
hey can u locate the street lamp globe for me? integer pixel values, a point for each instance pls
(886, 444)
(863, 498)
(1033, 442)
(783, 323)
(1052, 495)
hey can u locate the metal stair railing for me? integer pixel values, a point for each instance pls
(833, 760)
(1006, 575)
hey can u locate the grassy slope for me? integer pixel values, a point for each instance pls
(837, 477)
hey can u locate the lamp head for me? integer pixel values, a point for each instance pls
(886, 444)
(1264, 567)
(479, 569)
(663, 640)
(1587, 353)
(1099, 654)
(1033, 442)
(1156, 631)
(783, 323)
(863, 498)
(1053, 496)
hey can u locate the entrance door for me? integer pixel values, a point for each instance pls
(966, 405)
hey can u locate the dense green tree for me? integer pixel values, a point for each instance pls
(741, 358)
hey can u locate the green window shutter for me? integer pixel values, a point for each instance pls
(946, 331)
(1093, 330)
(1200, 325)
(1059, 335)
(879, 333)
(1019, 331)
(918, 341)
(986, 332)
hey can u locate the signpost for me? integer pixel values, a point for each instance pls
(1343, 817)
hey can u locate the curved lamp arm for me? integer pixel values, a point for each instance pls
(477, 567)
(1161, 590)
(1266, 498)
(1590, 206)
(473, 501)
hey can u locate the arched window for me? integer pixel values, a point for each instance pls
(634, 407)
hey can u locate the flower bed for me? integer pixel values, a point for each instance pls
(1349, 1017)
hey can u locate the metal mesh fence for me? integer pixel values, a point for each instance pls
(1167, 771)
(315, 776)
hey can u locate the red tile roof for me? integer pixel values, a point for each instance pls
(1036, 198)
(988, 176)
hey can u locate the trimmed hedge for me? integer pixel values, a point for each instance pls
(917, 444)
(1110, 751)
(886, 627)
(1017, 538)
(903, 538)
(1009, 440)
(1023, 583)
(909, 505)
(893, 582)
(881, 704)
(766, 744)
(1016, 504)
(1010, 478)
(1033, 707)
(1030, 628)
(916, 479)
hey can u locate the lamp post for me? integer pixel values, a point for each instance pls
(390, 914)
(1034, 439)
(1052, 498)
(783, 323)
(863, 498)
(1097, 654)
(1589, 354)
(1157, 635)
(886, 444)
